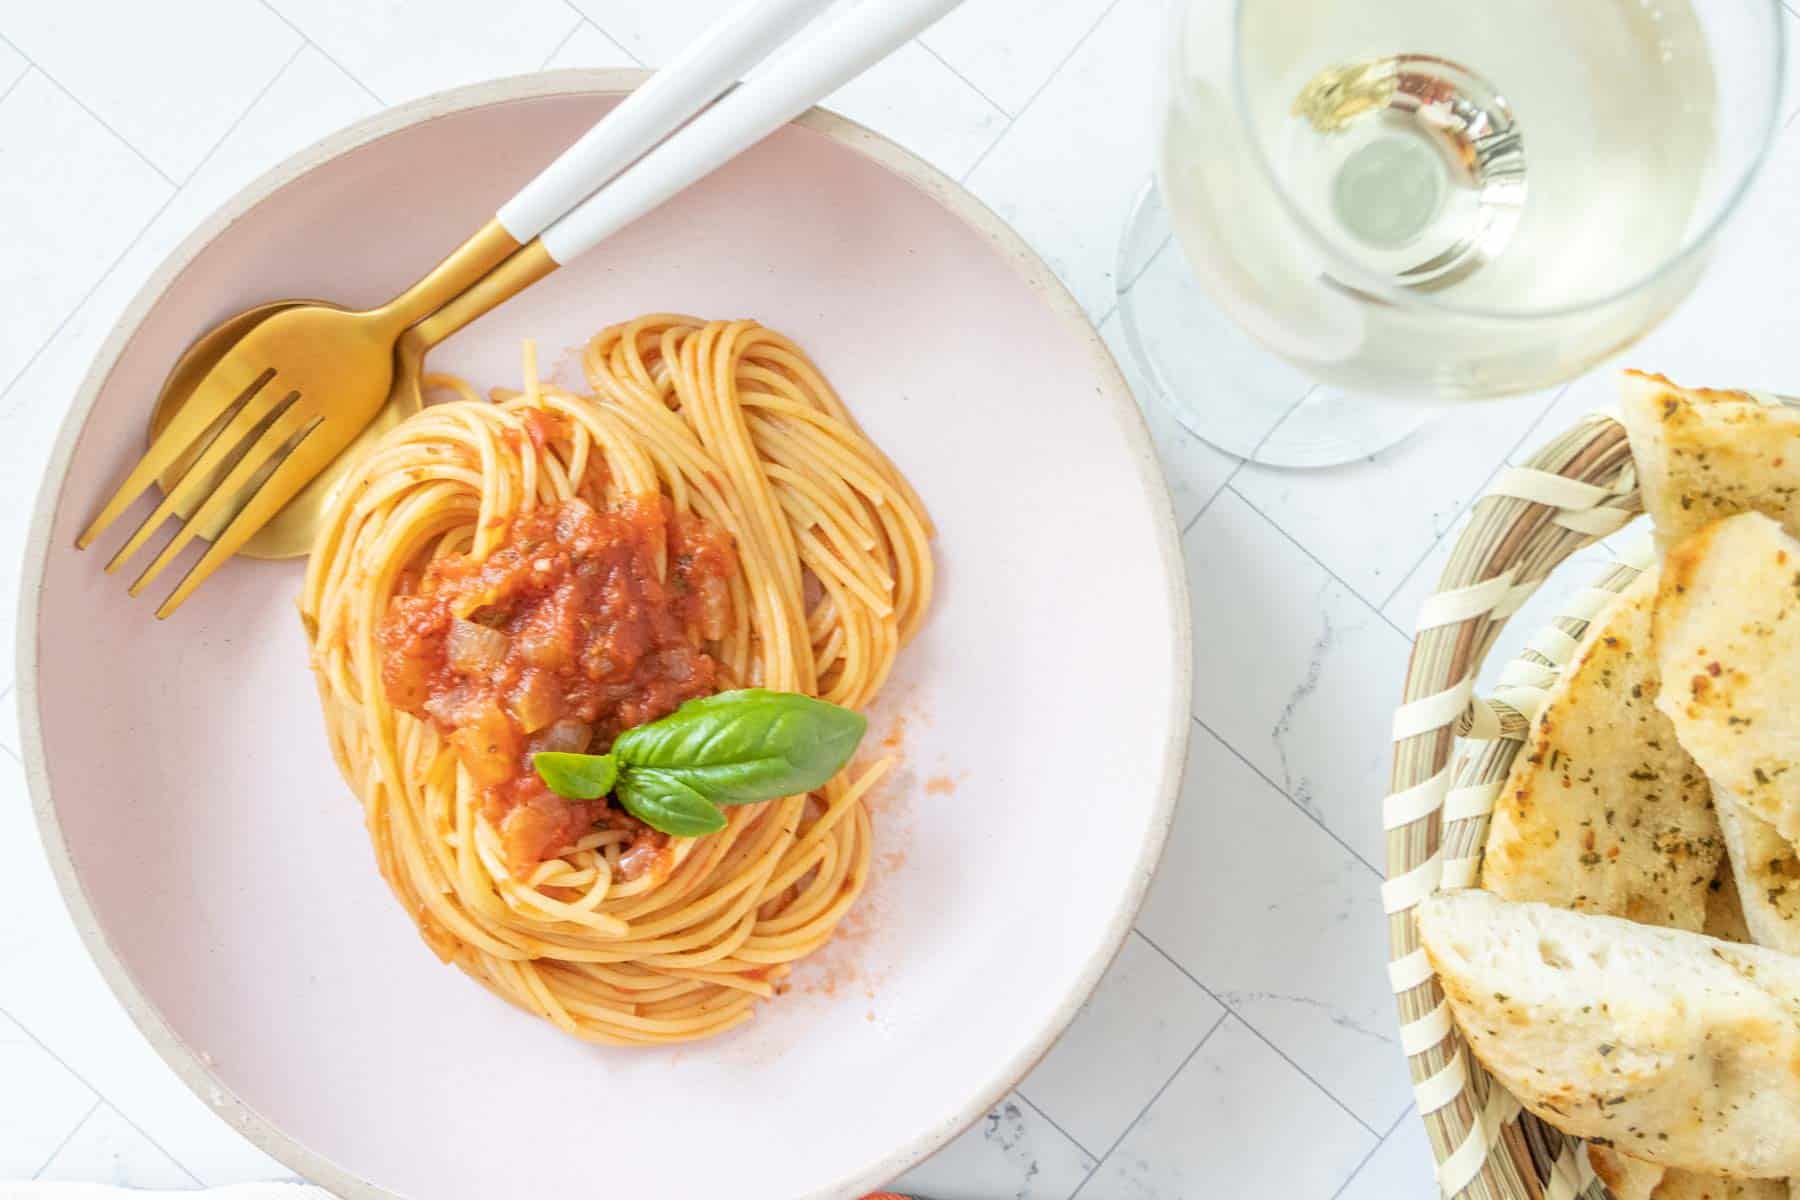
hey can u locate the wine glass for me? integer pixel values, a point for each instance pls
(1430, 200)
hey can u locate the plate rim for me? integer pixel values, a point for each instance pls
(187, 1063)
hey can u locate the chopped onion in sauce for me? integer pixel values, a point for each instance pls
(562, 737)
(474, 649)
(537, 700)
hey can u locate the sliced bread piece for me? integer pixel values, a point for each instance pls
(1768, 876)
(1625, 1177)
(1679, 1049)
(1702, 455)
(1725, 918)
(1629, 1178)
(1603, 810)
(1686, 1185)
(1727, 632)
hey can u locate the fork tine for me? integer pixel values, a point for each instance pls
(226, 387)
(268, 444)
(294, 472)
(235, 437)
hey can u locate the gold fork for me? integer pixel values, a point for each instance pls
(293, 392)
(302, 384)
(304, 379)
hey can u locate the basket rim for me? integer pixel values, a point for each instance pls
(1452, 750)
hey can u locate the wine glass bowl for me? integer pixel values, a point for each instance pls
(1433, 200)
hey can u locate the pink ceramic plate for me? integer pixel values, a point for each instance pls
(217, 865)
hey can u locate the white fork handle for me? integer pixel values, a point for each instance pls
(808, 69)
(688, 83)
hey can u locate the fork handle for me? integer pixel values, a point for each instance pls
(811, 67)
(815, 65)
(688, 83)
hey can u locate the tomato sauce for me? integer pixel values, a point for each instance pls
(561, 638)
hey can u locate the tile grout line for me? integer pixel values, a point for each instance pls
(580, 20)
(6, 696)
(307, 41)
(992, 103)
(1037, 1108)
(615, 40)
(1308, 813)
(1475, 498)
(1282, 420)
(125, 253)
(1260, 1035)
(1039, 90)
(82, 105)
(25, 367)
(1216, 493)
(70, 1136)
(261, 94)
(11, 87)
(1236, 470)
(1373, 1151)
(1157, 1095)
(1316, 560)
(1005, 129)
(1113, 308)
(123, 1115)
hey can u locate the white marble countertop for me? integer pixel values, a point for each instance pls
(1244, 1042)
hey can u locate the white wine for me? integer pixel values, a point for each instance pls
(1513, 166)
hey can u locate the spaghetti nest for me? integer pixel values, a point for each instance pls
(725, 423)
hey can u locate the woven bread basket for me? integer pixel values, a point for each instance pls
(1452, 751)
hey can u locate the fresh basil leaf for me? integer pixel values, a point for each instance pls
(746, 746)
(666, 804)
(576, 776)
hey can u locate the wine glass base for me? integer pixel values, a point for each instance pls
(1223, 387)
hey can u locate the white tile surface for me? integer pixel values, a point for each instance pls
(72, 197)
(1194, 470)
(1010, 48)
(310, 98)
(1400, 1169)
(9, 721)
(1292, 670)
(12, 67)
(40, 1102)
(1237, 1122)
(912, 97)
(653, 32)
(1791, 96)
(1067, 171)
(1284, 926)
(30, 414)
(154, 73)
(403, 49)
(1139, 1025)
(1013, 1151)
(1366, 520)
(108, 1149)
(588, 47)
